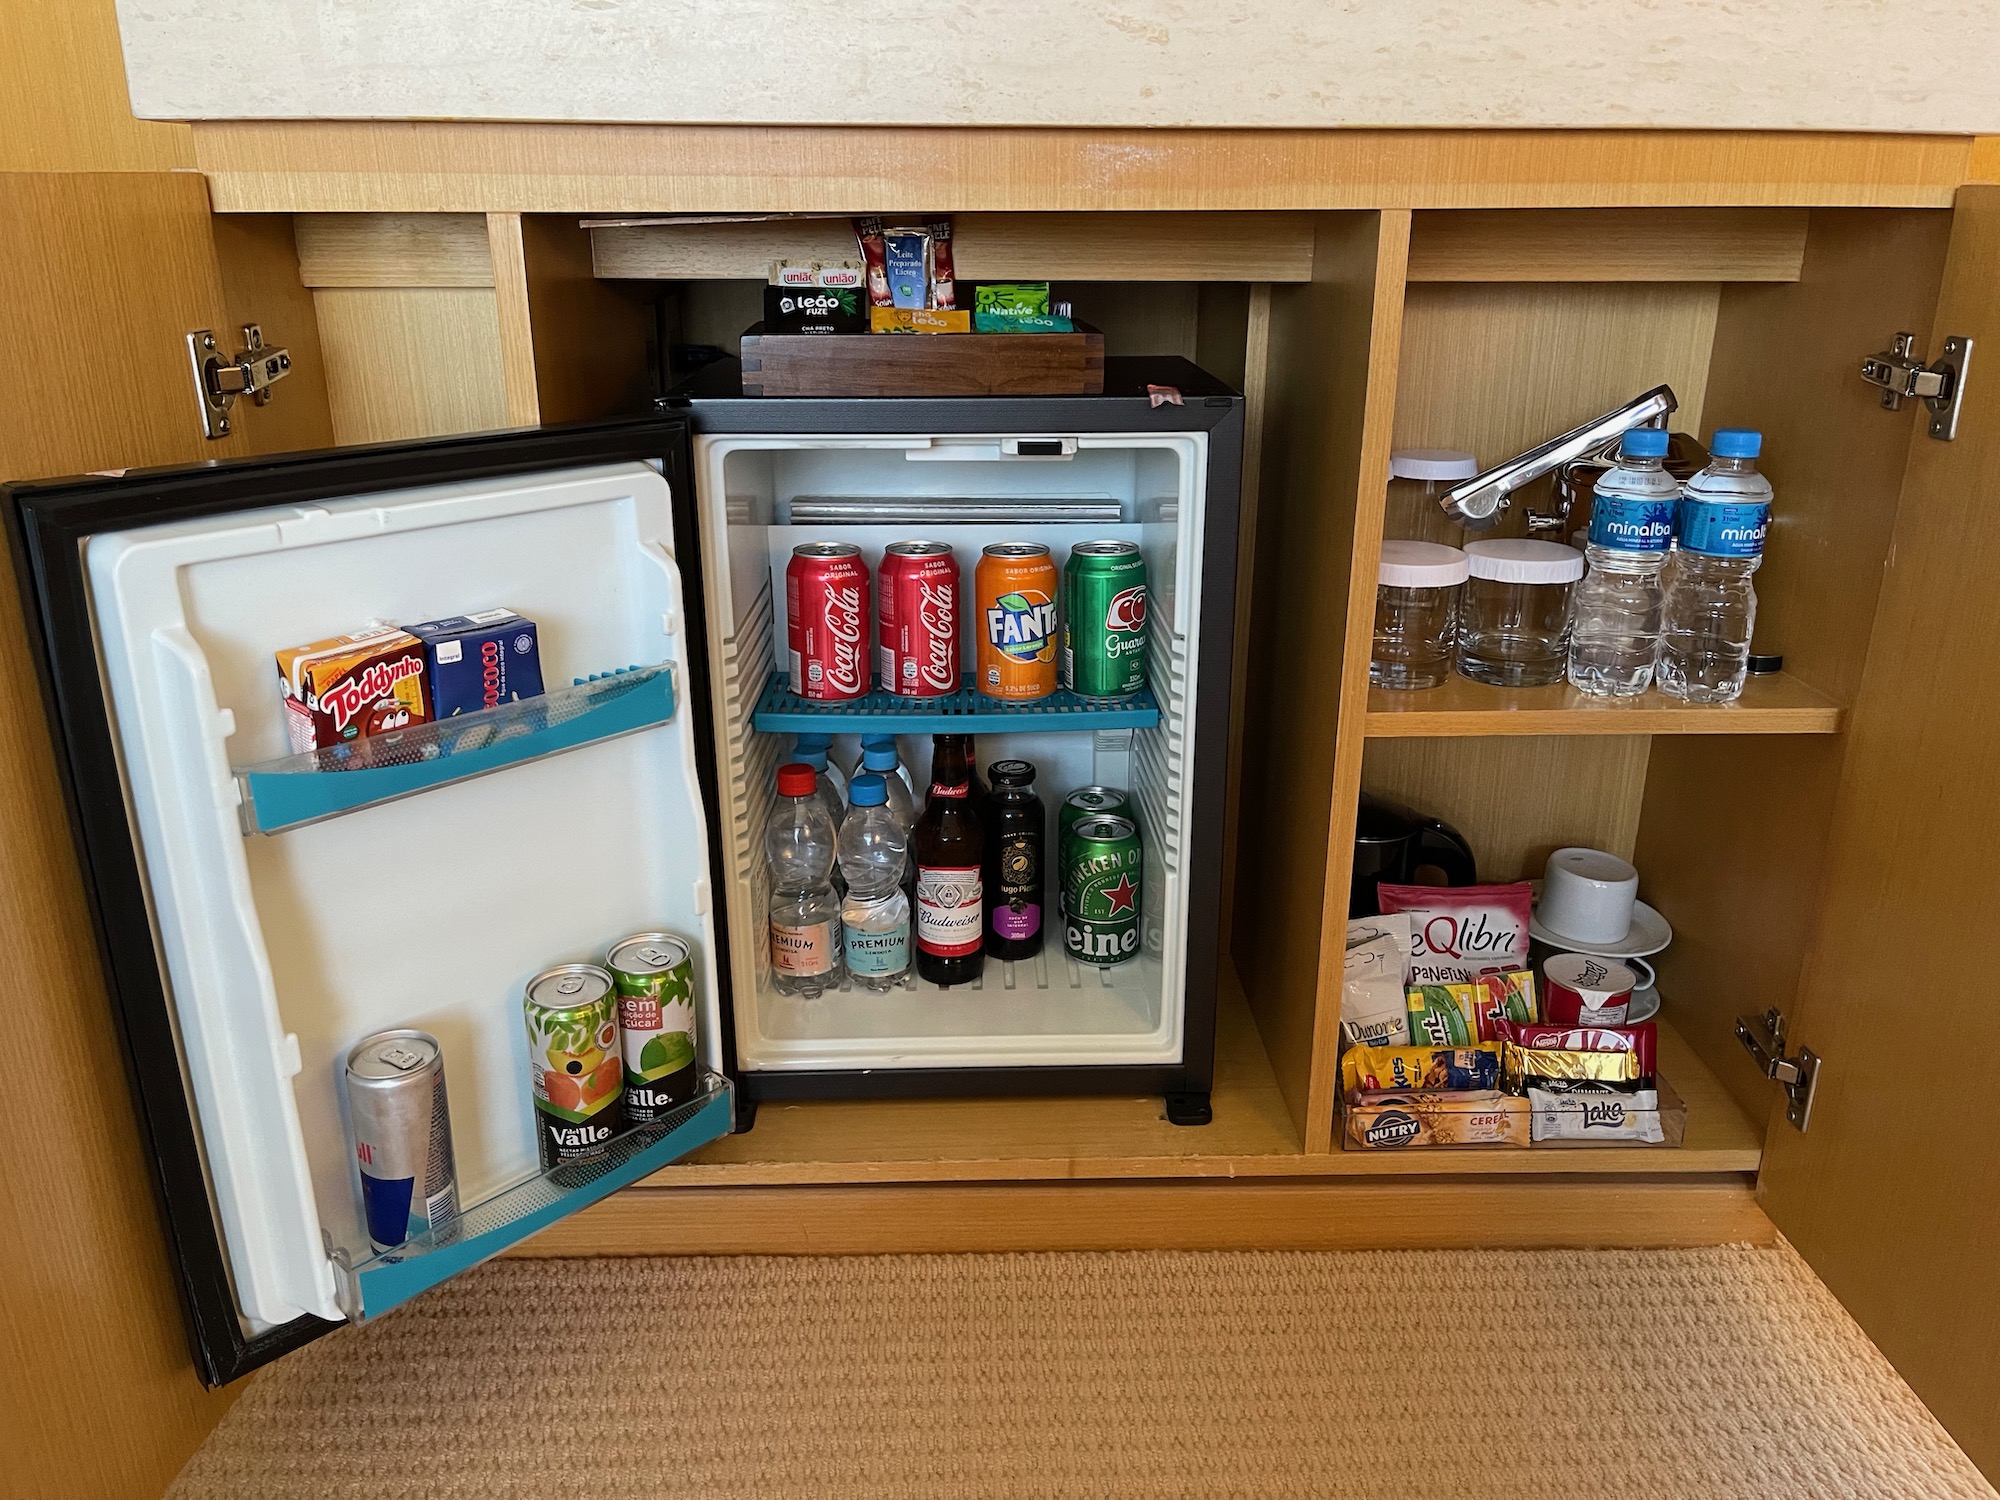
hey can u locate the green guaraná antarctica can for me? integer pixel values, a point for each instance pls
(573, 1062)
(654, 977)
(1104, 620)
(1101, 890)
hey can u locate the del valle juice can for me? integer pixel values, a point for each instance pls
(917, 619)
(573, 1062)
(1016, 587)
(402, 1137)
(1104, 620)
(654, 977)
(826, 620)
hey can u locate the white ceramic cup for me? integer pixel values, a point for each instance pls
(1588, 895)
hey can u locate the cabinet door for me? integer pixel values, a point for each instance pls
(1893, 1192)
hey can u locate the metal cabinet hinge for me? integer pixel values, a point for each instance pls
(1763, 1037)
(220, 378)
(1939, 385)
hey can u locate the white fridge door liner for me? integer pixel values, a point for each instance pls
(282, 952)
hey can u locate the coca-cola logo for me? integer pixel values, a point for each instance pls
(847, 647)
(937, 617)
(1127, 610)
(350, 695)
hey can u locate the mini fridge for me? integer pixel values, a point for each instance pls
(259, 911)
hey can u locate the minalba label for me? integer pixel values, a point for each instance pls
(1632, 523)
(1724, 528)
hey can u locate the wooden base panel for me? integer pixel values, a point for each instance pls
(1774, 704)
(1453, 1213)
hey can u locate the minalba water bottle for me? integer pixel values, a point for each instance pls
(807, 955)
(1616, 609)
(875, 914)
(1725, 511)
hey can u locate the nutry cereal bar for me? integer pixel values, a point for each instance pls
(1459, 932)
(1385, 1121)
(351, 686)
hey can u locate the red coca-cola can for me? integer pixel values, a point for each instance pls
(917, 627)
(826, 620)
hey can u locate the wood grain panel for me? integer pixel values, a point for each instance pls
(385, 167)
(509, 272)
(1774, 704)
(985, 247)
(592, 339)
(1305, 1215)
(406, 362)
(1733, 835)
(1519, 799)
(1323, 435)
(393, 250)
(1494, 369)
(1895, 1201)
(95, 1377)
(259, 258)
(1639, 244)
(63, 106)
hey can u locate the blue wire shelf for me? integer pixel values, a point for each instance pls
(964, 712)
(300, 789)
(374, 1284)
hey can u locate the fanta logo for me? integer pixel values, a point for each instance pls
(1127, 610)
(1392, 1128)
(1022, 625)
(350, 695)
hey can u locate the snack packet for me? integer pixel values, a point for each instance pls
(1373, 972)
(1443, 1015)
(1642, 1039)
(1505, 997)
(1460, 932)
(1373, 1068)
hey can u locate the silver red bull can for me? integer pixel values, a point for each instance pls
(402, 1137)
(826, 620)
(917, 623)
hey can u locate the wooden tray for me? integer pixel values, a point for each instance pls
(923, 364)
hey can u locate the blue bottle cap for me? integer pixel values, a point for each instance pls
(812, 757)
(870, 741)
(879, 758)
(813, 742)
(1644, 442)
(1736, 442)
(867, 790)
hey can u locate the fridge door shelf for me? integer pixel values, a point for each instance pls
(966, 711)
(374, 1283)
(298, 789)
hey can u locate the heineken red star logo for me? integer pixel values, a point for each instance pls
(1120, 895)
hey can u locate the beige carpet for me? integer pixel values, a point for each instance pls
(1659, 1374)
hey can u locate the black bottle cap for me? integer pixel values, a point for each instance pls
(1763, 666)
(1011, 772)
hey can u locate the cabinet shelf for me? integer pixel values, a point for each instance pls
(963, 712)
(374, 1283)
(1774, 704)
(299, 789)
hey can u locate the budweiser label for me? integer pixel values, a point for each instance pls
(948, 911)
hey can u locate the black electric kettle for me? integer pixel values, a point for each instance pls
(1392, 843)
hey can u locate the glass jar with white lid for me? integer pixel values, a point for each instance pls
(1416, 614)
(1514, 622)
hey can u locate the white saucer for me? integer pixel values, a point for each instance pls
(1645, 1005)
(1648, 934)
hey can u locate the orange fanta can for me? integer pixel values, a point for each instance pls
(1016, 585)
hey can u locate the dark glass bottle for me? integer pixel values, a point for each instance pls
(950, 848)
(1016, 825)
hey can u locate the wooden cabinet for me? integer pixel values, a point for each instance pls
(1816, 846)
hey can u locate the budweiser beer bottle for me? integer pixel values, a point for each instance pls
(950, 847)
(826, 620)
(918, 622)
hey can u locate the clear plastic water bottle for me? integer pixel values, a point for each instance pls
(875, 915)
(883, 761)
(809, 754)
(1711, 611)
(878, 742)
(807, 954)
(1617, 608)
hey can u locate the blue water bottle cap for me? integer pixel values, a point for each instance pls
(1644, 442)
(811, 757)
(821, 742)
(879, 758)
(867, 790)
(870, 741)
(1736, 442)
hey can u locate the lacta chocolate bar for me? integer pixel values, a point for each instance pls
(480, 660)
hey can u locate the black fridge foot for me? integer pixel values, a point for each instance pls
(746, 1113)
(1189, 1109)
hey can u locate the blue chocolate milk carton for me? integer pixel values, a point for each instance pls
(479, 660)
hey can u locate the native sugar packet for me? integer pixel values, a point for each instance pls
(1459, 932)
(1375, 969)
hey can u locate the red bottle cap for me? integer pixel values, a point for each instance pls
(797, 780)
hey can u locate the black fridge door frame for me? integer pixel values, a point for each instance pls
(1160, 394)
(48, 524)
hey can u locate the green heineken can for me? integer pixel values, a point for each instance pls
(1104, 620)
(1089, 802)
(1101, 890)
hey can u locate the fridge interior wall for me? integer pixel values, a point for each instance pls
(1048, 1011)
(283, 951)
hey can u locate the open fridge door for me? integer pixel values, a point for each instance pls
(262, 911)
